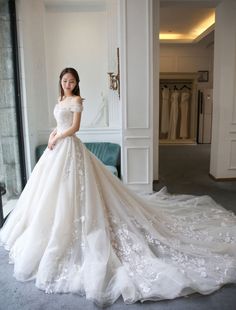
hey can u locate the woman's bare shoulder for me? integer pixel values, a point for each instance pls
(78, 99)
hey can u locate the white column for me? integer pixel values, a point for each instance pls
(223, 148)
(137, 94)
(156, 77)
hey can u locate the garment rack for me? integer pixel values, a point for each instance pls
(176, 82)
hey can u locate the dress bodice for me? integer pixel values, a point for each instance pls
(175, 97)
(165, 94)
(63, 112)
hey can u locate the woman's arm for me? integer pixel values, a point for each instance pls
(53, 133)
(51, 136)
(68, 132)
(74, 128)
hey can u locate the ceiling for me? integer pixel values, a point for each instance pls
(186, 21)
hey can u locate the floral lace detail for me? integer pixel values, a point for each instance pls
(191, 259)
(195, 259)
(64, 268)
(74, 160)
(160, 247)
(63, 112)
(185, 226)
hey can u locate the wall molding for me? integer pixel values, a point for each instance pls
(83, 6)
(234, 88)
(136, 21)
(232, 155)
(145, 180)
(146, 44)
(136, 137)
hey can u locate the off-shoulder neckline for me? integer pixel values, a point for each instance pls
(69, 97)
(66, 104)
(66, 101)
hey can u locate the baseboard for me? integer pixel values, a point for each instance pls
(221, 179)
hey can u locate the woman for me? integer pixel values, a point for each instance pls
(77, 228)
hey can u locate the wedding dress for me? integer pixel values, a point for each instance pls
(184, 111)
(165, 110)
(174, 115)
(76, 228)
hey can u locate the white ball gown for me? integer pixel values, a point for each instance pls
(76, 228)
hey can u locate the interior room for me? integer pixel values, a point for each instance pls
(186, 65)
(186, 83)
(157, 81)
(186, 92)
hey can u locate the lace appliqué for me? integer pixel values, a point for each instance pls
(63, 113)
(74, 159)
(190, 257)
(64, 268)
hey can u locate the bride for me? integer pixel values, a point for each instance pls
(77, 228)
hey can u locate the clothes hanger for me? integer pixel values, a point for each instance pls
(185, 87)
(165, 87)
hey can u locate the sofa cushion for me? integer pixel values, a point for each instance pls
(39, 150)
(107, 152)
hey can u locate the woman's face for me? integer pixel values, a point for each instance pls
(68, 83)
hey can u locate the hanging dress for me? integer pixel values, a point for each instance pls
(174, 114)
(165, 110)
(184, 110)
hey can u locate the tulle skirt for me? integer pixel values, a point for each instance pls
(77, 228)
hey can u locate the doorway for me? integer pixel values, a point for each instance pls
(186, 85)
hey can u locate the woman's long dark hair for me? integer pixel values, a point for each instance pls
(76, 90)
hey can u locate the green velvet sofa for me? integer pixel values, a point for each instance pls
(107, 152)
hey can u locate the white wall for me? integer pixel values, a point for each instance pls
(77, 39)
(187, 58)
(45, 52)
(223, 147)
(52, 37)
(114, 103)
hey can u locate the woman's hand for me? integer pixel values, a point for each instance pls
(53, 133)
(53, 140)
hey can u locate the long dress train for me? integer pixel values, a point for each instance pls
(77, 228)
